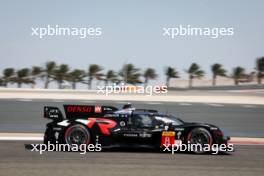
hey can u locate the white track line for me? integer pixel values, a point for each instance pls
(121, 102)
(247, 144)
(153, 103)
(185, 104)
(248, 106)
(58, 101)
(20, 138)
(25, 100)
(246, 141)
(215, 104)
(88, 101)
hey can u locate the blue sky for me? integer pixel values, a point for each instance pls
(132, 32)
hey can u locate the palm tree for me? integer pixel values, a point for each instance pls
(49, 71)
(130, 74)
(8, 75)
(1, 82)
(170, 73)
(94, 72)
(217, 70)
(35, 73)
(75, 77)
(238, 73)
(260, 69)
(22, 77)
(111, 76)
(61, 74)
(149, 73)
(194, 72)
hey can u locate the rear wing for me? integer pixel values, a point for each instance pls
(77, 111)
(85, 111)
(53, 113)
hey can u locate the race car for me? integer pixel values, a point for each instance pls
(125, 127)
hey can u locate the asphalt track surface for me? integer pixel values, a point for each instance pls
(25, 115)
(16, 160)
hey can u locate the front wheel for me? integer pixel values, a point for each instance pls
(202, 139)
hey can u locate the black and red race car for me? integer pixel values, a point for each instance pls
(126, 127)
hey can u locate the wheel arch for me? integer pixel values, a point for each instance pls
(77, 122)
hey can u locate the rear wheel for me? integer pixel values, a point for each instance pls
(77, 134)
(202, 139)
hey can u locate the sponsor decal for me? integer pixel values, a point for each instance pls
(104, 124)
(86, 109)
(167, 138)
(130, 135)
(57, 129)
(145, 135)
(51, 113)
(98, 109)
(213, 128)
(179, 129)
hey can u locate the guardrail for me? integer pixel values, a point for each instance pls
(234, 87)
(28, 90)
(194, 97)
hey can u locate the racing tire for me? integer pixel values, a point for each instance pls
(77, 134)
(200, 136)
